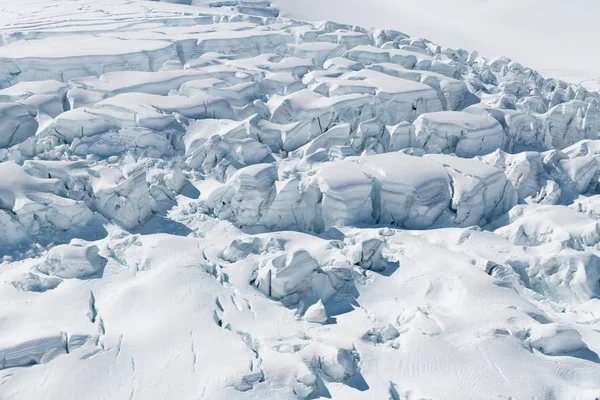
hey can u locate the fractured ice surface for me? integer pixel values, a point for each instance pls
(17, 124)
(465, 134)
(200, 199)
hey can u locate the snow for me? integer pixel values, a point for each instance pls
(202, 199)
(17, 124)
(465, 134)
(66, 261)
(490, 28)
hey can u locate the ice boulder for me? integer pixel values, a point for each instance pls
(292, 208)
(137, 110)
(246, 196)
(286, 274)
(158, 83)
(39, 283)
(367, 54)
(39, 350)
(401, 136)
(11, 231)
(552, 176)
(24, 90)
(318, 51)
(390, 188)
(274, 63)
(451, 92)
(16, 124)
(571, 276)
(568, 123)
(348, 38)
(536, 224)
(523, 170)
(316, 313)
(555, 339)
(534, 104)
(156, 112)
(580, 167)
(479, 192)
(323, 112)
(368, 254)
(281, 83)
(400, 99)
(589, 205)
(288, 136)
(239, 249)
(382, 335)
(123, 198)
(213, 145)
(346, 194)
(465, 134)
(338, 365)
(521, 128)
(135, 141)
(70, 261)
(338, 135)
(40, 97)
(83, 122)
(409, 191)
(397, 99)
(245, 42)
(32, 203)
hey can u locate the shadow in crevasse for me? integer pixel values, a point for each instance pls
(161, 223)
(584, 354)
(390, 268)
(46, 238)
(358, 382)
(322, 391)
(190, 191)
(343, 301)
(346, 298)
(348, 278)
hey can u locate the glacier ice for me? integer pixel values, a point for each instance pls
(202, 198)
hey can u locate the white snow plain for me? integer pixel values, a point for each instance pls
(209, 201)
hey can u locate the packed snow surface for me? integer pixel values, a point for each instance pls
(204, 200)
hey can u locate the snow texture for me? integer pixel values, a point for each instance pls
(206, 199)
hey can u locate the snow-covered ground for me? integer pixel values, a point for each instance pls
(210, 201)
(556, 37)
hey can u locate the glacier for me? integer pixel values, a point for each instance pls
(207, 199)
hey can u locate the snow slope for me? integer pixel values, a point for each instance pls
(553, 36)
(210, 201)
